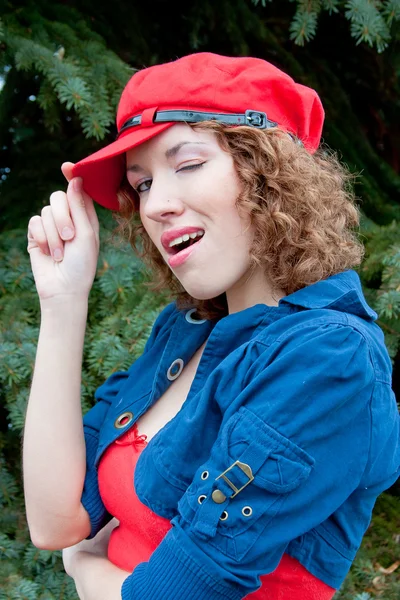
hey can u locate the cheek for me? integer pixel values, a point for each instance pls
(221, 188)
(146, 222)
(230, 185)
(229, 192)
(146, 225)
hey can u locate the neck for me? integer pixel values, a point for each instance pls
(256, 289)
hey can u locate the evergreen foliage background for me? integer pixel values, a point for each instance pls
(62, 67)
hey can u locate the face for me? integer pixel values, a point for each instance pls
(184, 179)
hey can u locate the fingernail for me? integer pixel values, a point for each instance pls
(67, 233)
(57, 254)
(77, 184)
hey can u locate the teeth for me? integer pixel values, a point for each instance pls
(186, 238)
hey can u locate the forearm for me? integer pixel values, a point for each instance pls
(96, 578)
(53, 447)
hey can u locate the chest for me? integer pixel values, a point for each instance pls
(170, 403)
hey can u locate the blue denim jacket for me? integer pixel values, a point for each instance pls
(289, 433)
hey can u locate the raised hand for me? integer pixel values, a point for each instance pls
(63, 243)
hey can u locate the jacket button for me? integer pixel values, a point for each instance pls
(123, 420)
(175, 369)
(218, 496)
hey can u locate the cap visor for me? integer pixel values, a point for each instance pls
(102, 172)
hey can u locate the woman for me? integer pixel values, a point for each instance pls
(266, 384)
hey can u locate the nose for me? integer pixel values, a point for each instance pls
(162, 200)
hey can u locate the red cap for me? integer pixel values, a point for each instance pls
(202, 82)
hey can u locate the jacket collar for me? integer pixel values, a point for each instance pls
(341, 292)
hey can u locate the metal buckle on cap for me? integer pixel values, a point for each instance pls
(246, 470)
(258, 119)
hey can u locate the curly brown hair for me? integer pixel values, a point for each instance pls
(302, 207)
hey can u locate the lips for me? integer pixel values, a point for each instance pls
(182, 256)
(168, 236)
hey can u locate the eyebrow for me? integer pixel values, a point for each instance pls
(170, 153)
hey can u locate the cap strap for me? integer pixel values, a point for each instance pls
(253, 118)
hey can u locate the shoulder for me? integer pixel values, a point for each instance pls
(163, 322)
(328, 334)
(317, 331)
(167, 316)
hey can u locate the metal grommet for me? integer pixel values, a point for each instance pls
(190, 319)
(123, 420)
(201, 499)
(247, 511)
(204, 474)
(224, 516)
(175, 369)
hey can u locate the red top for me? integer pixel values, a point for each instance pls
(141, 530)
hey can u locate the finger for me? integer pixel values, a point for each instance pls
(66, 169)
(37, 236)
(54, 241)
(61, 215)
(81, 208)
(91, 212)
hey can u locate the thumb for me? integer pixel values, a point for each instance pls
(82, 209)
(66, 169)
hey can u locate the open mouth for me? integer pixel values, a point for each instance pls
(183, 245)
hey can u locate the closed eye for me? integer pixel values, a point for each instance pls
(191, 167)
(140, 189)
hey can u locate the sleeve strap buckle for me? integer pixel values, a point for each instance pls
(246, 469)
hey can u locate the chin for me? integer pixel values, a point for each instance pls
(203, 293)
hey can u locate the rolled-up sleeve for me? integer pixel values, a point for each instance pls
(92, 422)
(289, 456)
